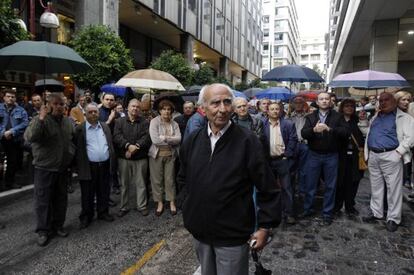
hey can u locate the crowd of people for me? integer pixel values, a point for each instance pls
(237, 167)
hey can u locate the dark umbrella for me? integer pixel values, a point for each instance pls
(293, 73)
(41, 57)
(177, 100)
(113, 89)
(191, 93)
(51, 85)
(251, 92)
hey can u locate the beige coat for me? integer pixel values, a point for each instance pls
(156, 130)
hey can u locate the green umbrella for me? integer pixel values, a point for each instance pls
(41, 57)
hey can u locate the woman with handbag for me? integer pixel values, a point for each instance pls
(351, 166)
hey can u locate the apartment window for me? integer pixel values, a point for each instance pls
(315, 57)
(266, 19)
(278, 36)
(207, 12)
(304, 57)
(266, 32)
(276, 11)
(265, 47)
(277, 50)
(192, 5)
(304, 47)
(228, 30)
(277, 24)
(220, 23)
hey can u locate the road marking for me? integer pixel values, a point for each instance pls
(147, 256)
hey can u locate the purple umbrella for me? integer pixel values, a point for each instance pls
(369, 79)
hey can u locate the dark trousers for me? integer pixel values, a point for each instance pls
(346, 187)
(317, 164)
(13, 151)
(99, 185)
(51, 199)
(301, 172)
(280, 168)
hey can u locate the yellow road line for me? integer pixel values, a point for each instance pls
(147, 256)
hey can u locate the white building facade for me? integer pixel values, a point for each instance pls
(313, 52)
(280, 34)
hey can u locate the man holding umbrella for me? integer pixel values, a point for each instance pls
(51, 134)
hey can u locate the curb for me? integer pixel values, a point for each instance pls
(13, 194)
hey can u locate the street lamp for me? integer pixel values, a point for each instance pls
(47, 20)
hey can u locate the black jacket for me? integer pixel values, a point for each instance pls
(82, 161)
(127, 132)
(325, 142)
(218, 208)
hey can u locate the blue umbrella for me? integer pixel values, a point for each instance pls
(293, 73)
(275, 93)
(116, 90)
(239, 94)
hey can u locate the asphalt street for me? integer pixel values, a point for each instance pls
(151, 245)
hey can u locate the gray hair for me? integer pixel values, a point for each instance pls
(89, 105)
(134, 100)
(201, 99)
(238, 99)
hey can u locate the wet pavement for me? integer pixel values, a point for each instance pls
(348, 246)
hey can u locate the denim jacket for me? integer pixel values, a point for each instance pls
(18, 118)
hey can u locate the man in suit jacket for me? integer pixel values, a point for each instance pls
(78, 113)
(95, 160)
(280, 146)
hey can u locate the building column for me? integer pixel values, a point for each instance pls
(95, 12)
(224, 67)
(384, 47)
(244, 76)
(187, 48)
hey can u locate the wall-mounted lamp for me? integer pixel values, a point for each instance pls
(49, 19)
(137, 8)
(154, 19)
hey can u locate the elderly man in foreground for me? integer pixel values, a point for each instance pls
(387, 147)
(221, 163)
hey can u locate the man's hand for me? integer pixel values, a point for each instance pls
(132, 149)
(8, 134)
(111, 116)
(44, 110)
(260, 236)
(320, 127)
(127, 155)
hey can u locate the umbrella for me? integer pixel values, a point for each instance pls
(150, 79)
(41, 57)
(177, 100)
(369, 79)
(309, 95)
(49, 84)
(239, 94)
(275, 93)
(251, 92)
(293, 73)
(113, 89)
(193, 90)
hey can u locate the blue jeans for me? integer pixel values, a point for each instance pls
(302, 160)
(317, 164)
(280, 168)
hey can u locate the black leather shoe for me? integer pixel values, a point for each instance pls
(144, 212)
(352, 212)
(61, 233)
(371, 219)
(306, 214)
(42, 239)
(106, 217)
(391, 226)
(122, 213)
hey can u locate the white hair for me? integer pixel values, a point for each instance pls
(238, 99)
(89, 105)
(201, 99)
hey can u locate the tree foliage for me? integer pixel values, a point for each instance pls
(10, 31)
(105, 51)
(205, 75)
(174, 63)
